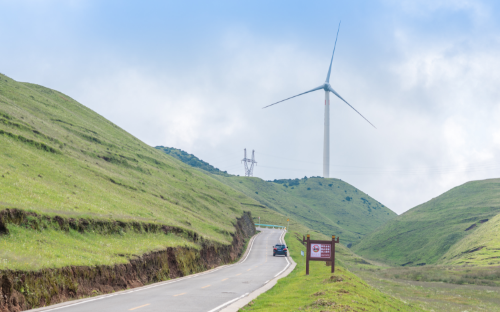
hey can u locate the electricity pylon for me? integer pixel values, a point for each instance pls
(249, 163)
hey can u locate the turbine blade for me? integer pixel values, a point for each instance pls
(318, 88)
(333, 91)
(331, 61)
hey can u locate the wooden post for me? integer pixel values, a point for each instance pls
(333, 251)
(308, 256)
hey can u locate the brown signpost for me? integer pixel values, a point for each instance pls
(320, 250)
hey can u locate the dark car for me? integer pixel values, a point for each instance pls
(279, 250)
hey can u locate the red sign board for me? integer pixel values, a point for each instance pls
(320, 250)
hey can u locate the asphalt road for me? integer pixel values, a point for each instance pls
(209, 291)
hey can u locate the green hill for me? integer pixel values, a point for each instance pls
(450, 228)
(329, 206)
(481, 247)
(59, 157)
(191, 160)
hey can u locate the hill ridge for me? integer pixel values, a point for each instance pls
(331, 206)
(426, 233)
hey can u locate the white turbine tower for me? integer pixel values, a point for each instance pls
(328, 88)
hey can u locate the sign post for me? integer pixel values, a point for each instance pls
(320, 250)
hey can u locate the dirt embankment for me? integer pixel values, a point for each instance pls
(22, 290)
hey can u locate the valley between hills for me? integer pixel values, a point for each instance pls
(81, 198)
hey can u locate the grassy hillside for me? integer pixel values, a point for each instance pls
(59, 157)
(481, 247)
(191, 160)
(442, 230)
(329, 206)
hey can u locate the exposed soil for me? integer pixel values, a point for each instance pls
(471, 227)
(20, 291)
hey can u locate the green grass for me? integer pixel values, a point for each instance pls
(442, 230)
(432, 296)
(58, 157)
(28, 250)
(330, 206)
(191, 160)
(480, 248)
(477, 275)
(322, 291)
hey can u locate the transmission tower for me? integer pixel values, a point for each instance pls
(249, 163)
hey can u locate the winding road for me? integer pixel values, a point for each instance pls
(207, 291)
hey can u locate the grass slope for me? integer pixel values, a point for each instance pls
(329, 206)
(28, 249)
(322, 291)
(481, 247)
(438, 231)
(58, 157)
(191, 160)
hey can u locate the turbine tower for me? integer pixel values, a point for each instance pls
(327, 88)
(246, 161)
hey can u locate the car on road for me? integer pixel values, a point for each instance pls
(279, 249)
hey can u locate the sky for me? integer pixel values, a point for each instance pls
(195, 75)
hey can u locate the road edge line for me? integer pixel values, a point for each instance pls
(75, 302)
(245, 299)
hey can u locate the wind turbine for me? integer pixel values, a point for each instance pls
(328, 88)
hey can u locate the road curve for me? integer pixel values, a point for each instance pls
(207, 291)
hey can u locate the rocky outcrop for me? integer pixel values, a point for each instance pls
(20, 290)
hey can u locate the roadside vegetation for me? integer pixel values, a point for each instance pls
(31, 250)
(323, 291)
(435, 288)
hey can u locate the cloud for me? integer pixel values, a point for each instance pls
(476, 9)
(433, 96)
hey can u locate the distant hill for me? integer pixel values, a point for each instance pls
(460, 226)
(330, 206)
(191, 160)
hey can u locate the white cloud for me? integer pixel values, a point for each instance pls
(436, 104)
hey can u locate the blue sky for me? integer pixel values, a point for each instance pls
(195, 75)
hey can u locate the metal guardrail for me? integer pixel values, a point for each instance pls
(270, 225)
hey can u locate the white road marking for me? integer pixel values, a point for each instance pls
(229, 302)
(286, 258)
(157, 284)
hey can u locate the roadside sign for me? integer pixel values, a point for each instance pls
(320, 250)
(287, 219)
